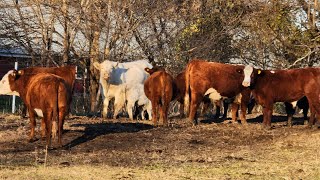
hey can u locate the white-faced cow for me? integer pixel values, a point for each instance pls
(270, 86)
(129, 73)
(44, 94)
(217, 81)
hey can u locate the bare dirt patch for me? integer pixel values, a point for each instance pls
(136, 149)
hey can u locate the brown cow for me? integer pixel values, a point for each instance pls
(217, 81)
(66, 72)
(270, 86)
(159, 89)
(180, 81)
(44, 94)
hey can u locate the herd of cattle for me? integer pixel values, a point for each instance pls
(47, 92)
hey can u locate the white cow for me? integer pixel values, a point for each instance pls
(135, 93)
(129, 73)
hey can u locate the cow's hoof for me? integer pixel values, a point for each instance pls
(245, 123)
(266, 127)
(31, 140)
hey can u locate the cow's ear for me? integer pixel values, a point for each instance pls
(240, 71)
(96, 65)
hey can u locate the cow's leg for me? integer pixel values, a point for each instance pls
(243, 119)
(48, 121)
(305, 115)
(130, 106)
(149, 110)
(43, 129)
(165, 114)
(267, 114)
(181, 110)
(234, 110)
(225, 109)
(61, 117)
(290, 111)
(196, 98)
(218, 109)
(155, 112)
(105, 108)
(32, 125)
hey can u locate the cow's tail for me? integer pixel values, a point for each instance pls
(187, 91)
(55, 115)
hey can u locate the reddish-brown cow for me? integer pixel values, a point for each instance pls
(218, 81)
(44, 94)
(290, 85)
(159, 89)
(66, 72)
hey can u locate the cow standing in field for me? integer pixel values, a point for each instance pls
(180, 81)
(216, 80)
(67, 73)
(44, 94)
(159, 89)
(114, 73)
(291, 85)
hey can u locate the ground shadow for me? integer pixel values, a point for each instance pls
(92, 131)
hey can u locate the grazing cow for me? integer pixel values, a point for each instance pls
(180, 81)
(269, 86)
(67, 73)
(217, 81)
(159, 89)
(44, 94)
(115, 73)
(291, 109)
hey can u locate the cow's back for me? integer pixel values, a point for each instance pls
(159, 85)
(66, 72)
(225, 78)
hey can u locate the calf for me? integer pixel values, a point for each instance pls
(216, 80)
(45, 95)
(159, 88)
(291, 85)
(291, 109)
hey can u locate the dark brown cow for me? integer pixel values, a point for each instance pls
(44, 94)
(66, 72)
(290, 85)
(159, 88)
(216, 80)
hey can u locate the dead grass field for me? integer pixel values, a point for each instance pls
(96, 148)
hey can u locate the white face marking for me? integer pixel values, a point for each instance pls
(214, 95)
(5, 86)
(38, 112)
(272, 72)
(247, 75)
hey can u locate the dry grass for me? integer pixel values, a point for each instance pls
(127, 150)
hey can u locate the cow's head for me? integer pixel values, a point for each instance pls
(154, 69)
(105, 68)
(250, 75)
(7, 83)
